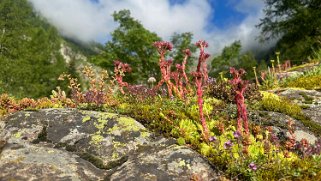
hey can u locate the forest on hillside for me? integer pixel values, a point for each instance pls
(243, 116)
(31, 62)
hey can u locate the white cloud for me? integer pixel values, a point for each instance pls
(88, 21)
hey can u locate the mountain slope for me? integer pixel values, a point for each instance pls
(31, 52)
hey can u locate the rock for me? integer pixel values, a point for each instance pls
(68, 144)
(22, 161)
(314, 114)
(300, 134)
(309, 100)
(305, 98)
(278, 121)
(156, 163)
(283, 75)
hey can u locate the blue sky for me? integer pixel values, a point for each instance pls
(220, 22)
(225, 14)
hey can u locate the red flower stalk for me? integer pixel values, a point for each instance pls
(165, 66)
(179, 80)
(183, 66)
(202, 66)
(201, 75)
(163, 47)
(239, 87)
(119, 70)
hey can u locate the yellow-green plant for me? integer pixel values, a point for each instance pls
(272, 102)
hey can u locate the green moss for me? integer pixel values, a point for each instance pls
(311, 125)
(85, 119)
(118, 145)
(181, 141)
(300, 67)
(205, 149)
(304, 106)
(272, 102)
(94, 160)
(123, 106)
(96, 139)
(116, 163)
(107, 115)
(307, 99)
(128, 124)
(144, 134)
(113, 129)
(18, 135)
(306, 82)
(100, 124)
(188, 129)
(115, 155)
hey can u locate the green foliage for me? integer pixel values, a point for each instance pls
(29, 51)
(272, 102)
(190, 130)
(298, 24)
(181, 42)
(181, 141)
(227, 59)
(131, 43)
(247, 61)
(231, 56)
(270, 81)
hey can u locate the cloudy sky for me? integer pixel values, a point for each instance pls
(220, 22)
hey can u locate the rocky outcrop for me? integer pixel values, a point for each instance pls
(67, 144)
(309, 100)
(69, 54)
(283, 75)
(305, 98)
(314, 114)
(278, 122)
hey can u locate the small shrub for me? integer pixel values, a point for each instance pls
(224, 91)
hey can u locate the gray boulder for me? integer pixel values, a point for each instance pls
(278, 122)
(68, 144)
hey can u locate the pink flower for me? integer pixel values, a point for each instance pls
(252, 166)
(228, 144)
(202, 43)
(212, 139)
(236, 134)
(163, 45)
